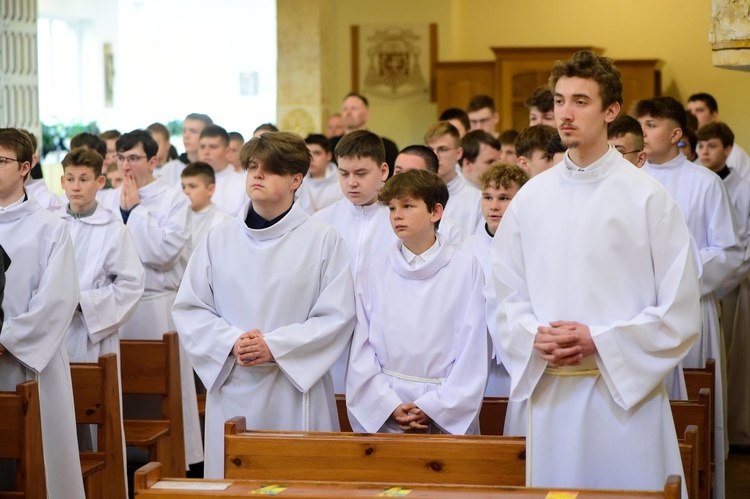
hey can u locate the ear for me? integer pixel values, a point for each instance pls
(329, 156)
(612, 111)
(100, 182)
(296, 181)
(728, 150)
(523, 163)
(465, 165)
(384, 172)
(642, 157)
(152, 163)
(676, 135)
(211, 189)
(437, 213)
(460, 151)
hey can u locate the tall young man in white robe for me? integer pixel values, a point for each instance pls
(360, 220)
(714, 144)
(419, 354)
(465, 201)
(158, 218)
(709, 214)
(267, 305)
(597, 295)
(320, 188)
(229, 192)
(41, 295)
(500, 184)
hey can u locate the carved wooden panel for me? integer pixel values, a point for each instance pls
(457, 82)
(19, 88)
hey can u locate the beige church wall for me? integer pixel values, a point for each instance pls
(402, 120)
(674, 31)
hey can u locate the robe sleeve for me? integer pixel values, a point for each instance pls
(107, 308)
(160, 246)
(195, 312)
(724, 253)
(455, 404)
(306, 352)
(634, 355)
(37, 334)
(369, 396)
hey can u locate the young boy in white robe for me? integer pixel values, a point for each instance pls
(110, 274)
(416, 157)
(500, 184)
(41, 295)
(199, 184)
(597, 292)
(714, 145)
(359, 218)
(320, 188)
(465, 206)
(229, 191)
(626, 135)
(708, 211)
(158, 217)
(267, 305)
(420, 351)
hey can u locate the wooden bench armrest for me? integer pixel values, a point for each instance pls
(146, 476)
(144, 433)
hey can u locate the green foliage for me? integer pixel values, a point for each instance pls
(57, 137)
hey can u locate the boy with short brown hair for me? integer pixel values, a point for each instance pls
(418, 364)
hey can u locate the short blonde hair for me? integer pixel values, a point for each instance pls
(439, 129)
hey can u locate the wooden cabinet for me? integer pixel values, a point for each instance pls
(517, 71)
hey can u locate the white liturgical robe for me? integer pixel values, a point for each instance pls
(41, 294)
(735, 314)
(421, 337)
(464, 206)
(498, 382)
(203, 221)
(292, 282)
(739, 161)
(41, 193)
(171, 172)
(160, 227)
(368, 234)
(708, 211)
(230, 194)
(111, 279)
(621, 263)
(317, 193)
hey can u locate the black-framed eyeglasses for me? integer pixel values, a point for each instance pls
(634, 151)
(133, 158)
(4, 161)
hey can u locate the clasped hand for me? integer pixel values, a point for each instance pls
(410, 417)
(251, 349)
(564, 343)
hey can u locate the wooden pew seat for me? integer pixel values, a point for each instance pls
(148, 481)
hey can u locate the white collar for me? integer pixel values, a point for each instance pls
(416, 261)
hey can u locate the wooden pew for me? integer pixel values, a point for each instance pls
(96, 391)
(695, 380)
(153, 367)
(689, 452)
(149, 483)
(397, 458)
(343, 414)
(698, 413)
(21, 440)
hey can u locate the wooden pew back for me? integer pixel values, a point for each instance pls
(397, 458)
(21, 439)
(96, 391)
(689, 452)
(148, 368)
(698, 413)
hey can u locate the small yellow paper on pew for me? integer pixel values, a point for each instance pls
(395, 492)
(561, 494)
(269, 490)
